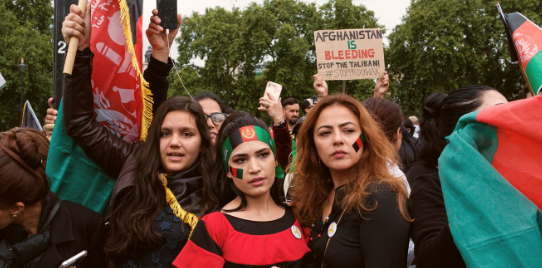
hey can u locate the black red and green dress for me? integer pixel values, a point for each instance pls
(222, 240)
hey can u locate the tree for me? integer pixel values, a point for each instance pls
(32, 40)
(443, 45)
(277, 36)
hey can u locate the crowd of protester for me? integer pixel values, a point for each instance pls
(327, 184)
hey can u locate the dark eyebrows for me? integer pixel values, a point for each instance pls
(181, 129)
(347, 123)
(324, 126)
(257, 152)
(340, 125)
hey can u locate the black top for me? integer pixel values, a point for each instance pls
(434, 244)
(74, 228)
(187, 187)
(408, 153)
(418, 169)
(380, 239)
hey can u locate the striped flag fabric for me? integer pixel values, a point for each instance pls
(29, 117)
(491, 176)
(525, 44)
(122, 102)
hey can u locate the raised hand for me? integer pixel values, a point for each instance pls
(50, 118)
(77, 24)
(159, 40)
(273, 107)
(320, 86)
(382, 85)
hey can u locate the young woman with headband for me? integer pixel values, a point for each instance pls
(252, 227)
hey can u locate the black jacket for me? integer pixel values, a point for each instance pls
(73, 229)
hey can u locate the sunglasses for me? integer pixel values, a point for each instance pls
(217, 118)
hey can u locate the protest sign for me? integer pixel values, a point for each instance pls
(349, 54)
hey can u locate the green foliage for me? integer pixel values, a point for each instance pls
(25, 34)
(444, 45)
(277, 36)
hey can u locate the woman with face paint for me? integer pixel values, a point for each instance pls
(355, 209)
(251, 227)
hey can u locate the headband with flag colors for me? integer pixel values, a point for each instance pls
(525, 44)
(244, 134)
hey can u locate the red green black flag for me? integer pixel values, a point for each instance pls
(525, 44)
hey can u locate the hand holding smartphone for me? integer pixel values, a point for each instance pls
(274, 89)
(167, 11)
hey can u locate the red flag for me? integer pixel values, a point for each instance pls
(121, 101)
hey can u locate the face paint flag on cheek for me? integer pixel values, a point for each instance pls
(236, 172)
(359, 142)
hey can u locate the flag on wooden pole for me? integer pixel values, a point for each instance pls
(122, 102)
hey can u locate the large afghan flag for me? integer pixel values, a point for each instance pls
(491, 176)
(525, 44)
(122, 102)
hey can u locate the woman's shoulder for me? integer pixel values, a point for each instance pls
(427, 183)
(79, 214)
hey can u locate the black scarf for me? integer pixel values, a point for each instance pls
(187, 187)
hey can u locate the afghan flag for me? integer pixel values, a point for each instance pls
(491, 177)
(525, 44)
(122, 102)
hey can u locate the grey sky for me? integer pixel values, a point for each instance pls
(388, 12)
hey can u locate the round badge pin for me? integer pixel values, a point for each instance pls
(332, 229)
(296, 232)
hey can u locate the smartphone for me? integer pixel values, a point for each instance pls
(274, 89)
(73, 260)
(167, 12)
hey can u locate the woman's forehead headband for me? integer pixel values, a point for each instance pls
(244, 134)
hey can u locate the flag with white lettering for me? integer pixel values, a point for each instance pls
(122, 102)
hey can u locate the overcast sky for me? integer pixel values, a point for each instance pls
(388, 12)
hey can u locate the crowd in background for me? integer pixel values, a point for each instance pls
(332, 181)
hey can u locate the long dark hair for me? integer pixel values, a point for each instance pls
(440, 115)
(225, 189)
(132, 215)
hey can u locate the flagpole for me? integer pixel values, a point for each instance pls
(74, 43)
